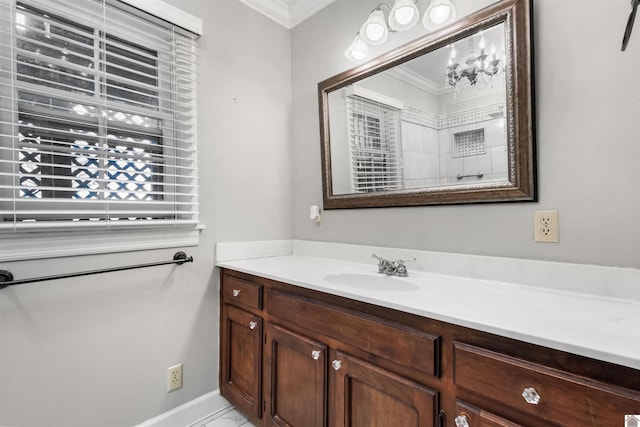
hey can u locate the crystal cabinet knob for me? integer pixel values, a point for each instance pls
(337, 364)
(531, 395)
(462, 421)
(236, 292)
(252, 325)
(315, 354)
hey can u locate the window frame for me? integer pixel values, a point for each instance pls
(70, 238)
(391, 172)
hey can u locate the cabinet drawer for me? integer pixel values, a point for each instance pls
(243, 292)
(476, 417)
(398, 344)
(548, 394)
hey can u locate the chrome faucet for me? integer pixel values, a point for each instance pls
(392, 267)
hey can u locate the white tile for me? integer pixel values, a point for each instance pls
(499, 160)
(229, 419)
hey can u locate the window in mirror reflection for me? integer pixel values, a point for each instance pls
(373, 129)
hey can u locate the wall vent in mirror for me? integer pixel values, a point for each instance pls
(404, 128)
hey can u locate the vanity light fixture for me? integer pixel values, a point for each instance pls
(375, 31)
(438, 14)
(401, 17)
(358, 50)
(478, 66)
(404, 15)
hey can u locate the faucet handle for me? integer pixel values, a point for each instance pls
(384, 266)
(400, 268)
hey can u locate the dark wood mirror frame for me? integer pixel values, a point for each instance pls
(521, 184)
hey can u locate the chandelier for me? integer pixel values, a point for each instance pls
(478, 66)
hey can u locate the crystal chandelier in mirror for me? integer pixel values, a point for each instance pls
(478, 67)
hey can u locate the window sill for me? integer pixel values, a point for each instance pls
(29, 246)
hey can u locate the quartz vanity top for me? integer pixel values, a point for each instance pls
(589, 324)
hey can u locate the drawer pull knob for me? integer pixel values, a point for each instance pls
(315, 354)
(337, 364)
(531, 395)
(236, 292)
(252, 325)
(462, 421)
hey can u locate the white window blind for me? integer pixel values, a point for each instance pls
(374, 134)
(97, 117)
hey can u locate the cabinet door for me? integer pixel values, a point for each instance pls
(241, 358)
(297, 377)
(365, 395)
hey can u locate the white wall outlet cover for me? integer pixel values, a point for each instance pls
(546, 226)
(174, 377)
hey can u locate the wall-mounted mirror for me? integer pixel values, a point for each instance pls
(445, 119)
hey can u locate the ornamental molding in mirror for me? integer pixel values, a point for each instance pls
(445, 119)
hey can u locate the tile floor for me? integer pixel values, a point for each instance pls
(227, 418)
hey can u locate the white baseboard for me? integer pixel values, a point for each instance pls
(192, 413)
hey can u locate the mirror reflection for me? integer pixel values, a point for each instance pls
(435, 121)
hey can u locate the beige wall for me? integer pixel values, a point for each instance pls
(588, 133)
(94, 351)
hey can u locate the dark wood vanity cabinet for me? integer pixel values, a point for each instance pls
(366, 395)
(241, 346)
(547, 396)
(296, 377)
(295, 357)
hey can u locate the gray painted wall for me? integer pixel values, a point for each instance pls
(94, 351)
(588, 132)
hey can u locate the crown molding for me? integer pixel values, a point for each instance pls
(303, 9)
(287, 13)
(416, 80)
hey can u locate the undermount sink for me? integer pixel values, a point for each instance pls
(372, 281)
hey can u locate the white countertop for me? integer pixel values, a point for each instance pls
(592, 325)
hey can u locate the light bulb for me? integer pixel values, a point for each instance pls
(358, 55)
(358, 50)
(404, 15)
(374, 30)
(439, 14)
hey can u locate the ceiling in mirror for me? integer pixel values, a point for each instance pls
(445, 119)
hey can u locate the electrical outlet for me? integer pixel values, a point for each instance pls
(546, 226)
(174, 377)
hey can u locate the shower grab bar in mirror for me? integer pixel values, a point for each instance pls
(477, 175)
(6, 277)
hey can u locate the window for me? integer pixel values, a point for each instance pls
(373, 132)
(97, 117)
